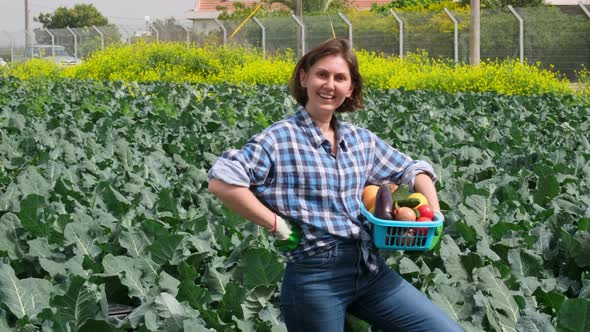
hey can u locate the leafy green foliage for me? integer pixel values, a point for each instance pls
(78, 306)
(416, 4)
(26, 297)
(173, 62)
(241, 10)
(513, 3)
(81, 15)
(402, 192)
(103, 201)
(268, 8)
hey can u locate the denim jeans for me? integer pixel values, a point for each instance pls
(319, 290)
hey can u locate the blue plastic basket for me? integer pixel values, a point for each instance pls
(404, 235)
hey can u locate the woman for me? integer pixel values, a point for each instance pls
(307, 173)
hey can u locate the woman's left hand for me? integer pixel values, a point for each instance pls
(439, 215)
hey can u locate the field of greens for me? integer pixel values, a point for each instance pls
(104, 206)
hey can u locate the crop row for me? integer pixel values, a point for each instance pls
(103, 205)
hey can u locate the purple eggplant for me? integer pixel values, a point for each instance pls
(383, 203)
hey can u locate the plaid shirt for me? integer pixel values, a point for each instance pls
(291, 169)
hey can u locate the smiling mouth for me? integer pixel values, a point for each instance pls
(325, 96)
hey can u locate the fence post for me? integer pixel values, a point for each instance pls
(75, 42)
(188, 36)
(52, 41)
(101, 37)
(11, 50)
(156, 30)
(456, 34)
(521, 32)
(349, 27)
(31, 35)
(11, 45)
(474, 33)
(263, 29)
(131, 32)
(401, 32)
(302, 33)
(584, 9)
(223, 29)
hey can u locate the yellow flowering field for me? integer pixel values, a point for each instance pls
(174, 62)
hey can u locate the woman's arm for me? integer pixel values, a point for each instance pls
(424, 185)
(242, 201)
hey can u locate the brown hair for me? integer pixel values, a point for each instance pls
(334, 46)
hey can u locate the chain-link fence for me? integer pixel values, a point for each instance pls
(78, 42)
(556, 36)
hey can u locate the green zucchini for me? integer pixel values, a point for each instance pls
(407, 202)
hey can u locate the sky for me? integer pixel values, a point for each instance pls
(125, 12)
(128, 12)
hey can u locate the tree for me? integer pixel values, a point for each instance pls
(82, 15)
(81, 18)
(505, 3)
(312, 6)
(170, 29)
(241, 10)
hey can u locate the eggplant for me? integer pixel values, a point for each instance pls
(383, 203)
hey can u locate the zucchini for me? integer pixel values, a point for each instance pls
(407, 202)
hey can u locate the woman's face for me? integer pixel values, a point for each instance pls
(328, 84)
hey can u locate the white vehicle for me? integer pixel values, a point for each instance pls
(3, 63)
(56, 53)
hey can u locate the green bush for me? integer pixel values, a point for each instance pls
(174, 62)
(428, 3)
(384, 9)
(419, 72)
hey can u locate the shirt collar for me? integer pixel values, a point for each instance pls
(314, 133)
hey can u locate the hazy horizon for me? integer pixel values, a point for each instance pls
(126, 12)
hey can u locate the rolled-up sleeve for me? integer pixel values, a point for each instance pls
(389, 164)
(415, 168)
(247, 167)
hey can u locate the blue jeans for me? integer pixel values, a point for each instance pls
(319, 290)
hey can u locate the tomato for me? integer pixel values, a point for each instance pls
(425, 211)
(422, 231)
(406, 238)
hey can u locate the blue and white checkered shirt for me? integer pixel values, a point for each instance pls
(291, 169)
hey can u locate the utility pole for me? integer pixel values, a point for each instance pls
(27, 24)
(474, 32)
(299, 14)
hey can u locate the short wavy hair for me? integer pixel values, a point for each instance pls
(338, 47)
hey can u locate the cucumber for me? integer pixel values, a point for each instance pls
(407, 202)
